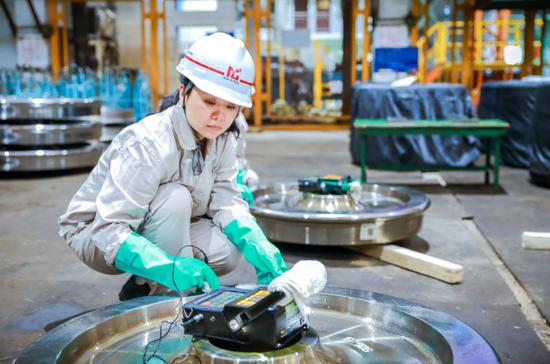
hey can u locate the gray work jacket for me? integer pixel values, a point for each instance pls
(159, 149)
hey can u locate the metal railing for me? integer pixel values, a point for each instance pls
(435, 48)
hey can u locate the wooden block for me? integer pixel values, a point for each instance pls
(434, 176)
(535, 240)
(415, 261)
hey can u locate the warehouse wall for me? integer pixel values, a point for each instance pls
(129, 36)
(7, 42)
(29, 48)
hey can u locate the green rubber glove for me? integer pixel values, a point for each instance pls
(139, 256)
(243, 188)
(258, 251)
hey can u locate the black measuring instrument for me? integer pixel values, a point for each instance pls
(249, 319)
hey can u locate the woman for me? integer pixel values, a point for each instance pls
(164, 194)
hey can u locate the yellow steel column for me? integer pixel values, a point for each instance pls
(154, 51)
(144, 16)
(54, 38)
(258, 110)
(415, 12)
(478, 36)
(262, 95)
(268, 78)
(281, 72)
(421, 61)
(425, 28)
(365, 63)
(502, 34)
(153, 67)
(442, 44)
(454, 29)
(317, 75)
(477, 75)
(528, 39)
(467, 44)
(247, 16)
(64, 35)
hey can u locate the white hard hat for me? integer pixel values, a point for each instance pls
(220, 65)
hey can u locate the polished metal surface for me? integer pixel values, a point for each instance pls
(113, 121)
(378, 215)
(50, 159)
(113, 115)
(348, 326)
(55, 108)
(47, 132)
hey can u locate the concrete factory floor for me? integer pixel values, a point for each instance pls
(42, 281)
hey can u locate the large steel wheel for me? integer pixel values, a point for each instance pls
(380, 215)
(348, 326)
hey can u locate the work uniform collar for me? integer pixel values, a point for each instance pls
(184, 131)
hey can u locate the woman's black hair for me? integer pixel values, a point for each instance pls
(173, 99)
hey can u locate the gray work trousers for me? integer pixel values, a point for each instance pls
(169, 224)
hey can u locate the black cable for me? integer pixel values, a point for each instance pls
(158, 340)
(196, 247)
(180, 306)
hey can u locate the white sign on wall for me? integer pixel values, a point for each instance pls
(32, 50)
(391, 36)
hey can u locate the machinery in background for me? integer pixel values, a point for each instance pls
(123, 92)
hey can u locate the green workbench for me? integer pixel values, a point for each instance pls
(492, 129)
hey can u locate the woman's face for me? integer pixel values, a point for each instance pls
(208, 115)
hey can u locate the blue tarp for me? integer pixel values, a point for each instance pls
(541, 127)
(423, 101)
(539, 165)
(512, 101)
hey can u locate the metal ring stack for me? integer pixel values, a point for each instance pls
(113, 120)
(48, 134)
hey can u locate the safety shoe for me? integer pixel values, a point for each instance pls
(131, 289)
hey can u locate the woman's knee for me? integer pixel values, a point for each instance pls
(87, 252)
(172, 200)
(226, 257)
(229, 264)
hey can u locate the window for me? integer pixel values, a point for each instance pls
(186, 36)
(196, 5)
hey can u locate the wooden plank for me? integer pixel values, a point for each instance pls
(414, 261)
(535, 240)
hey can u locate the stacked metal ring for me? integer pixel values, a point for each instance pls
(48, 134)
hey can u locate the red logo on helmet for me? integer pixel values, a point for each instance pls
(233, 73)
